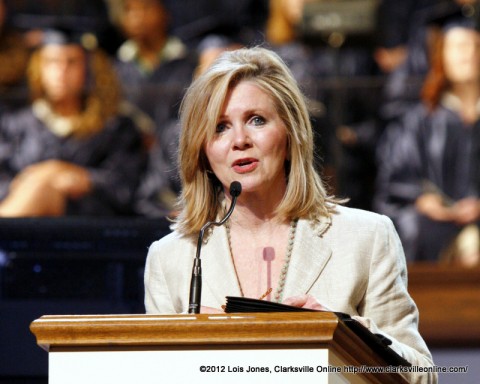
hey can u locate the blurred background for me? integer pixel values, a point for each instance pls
(89, 99)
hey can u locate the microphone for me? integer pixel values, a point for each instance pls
(196, 282)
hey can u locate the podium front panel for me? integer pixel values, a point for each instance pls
(276, 366)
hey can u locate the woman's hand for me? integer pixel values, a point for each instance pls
(433, 206)
(462, 212)
(466, 211)
(305, 301)
(69, 179)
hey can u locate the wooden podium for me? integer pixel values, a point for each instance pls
(313, 347)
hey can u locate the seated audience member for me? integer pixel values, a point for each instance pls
(70, 152)
(154, 69)
(429, 179)
(245, 119)
(406, 60)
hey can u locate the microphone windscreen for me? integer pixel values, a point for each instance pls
(235, 189)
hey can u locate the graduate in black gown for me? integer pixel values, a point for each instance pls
(154, 68)
(429, 179)
(70, 152)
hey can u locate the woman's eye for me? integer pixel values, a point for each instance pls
(221, 127)
(258, 120)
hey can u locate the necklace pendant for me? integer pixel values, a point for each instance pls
(283, 273)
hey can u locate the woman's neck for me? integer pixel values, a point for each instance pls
(255, 213)
(467, 92)
(469, 96)
(148, 49)
(66, 108)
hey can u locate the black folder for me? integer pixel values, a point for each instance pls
(378, 343)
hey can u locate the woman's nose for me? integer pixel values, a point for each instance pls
(241, 137)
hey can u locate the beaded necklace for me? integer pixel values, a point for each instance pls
(283, 273)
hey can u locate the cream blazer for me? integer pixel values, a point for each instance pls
(352, 263)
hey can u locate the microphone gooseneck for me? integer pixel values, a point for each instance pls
(196, 282)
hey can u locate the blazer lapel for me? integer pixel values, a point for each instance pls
(310, 254)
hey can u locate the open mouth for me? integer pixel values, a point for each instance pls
(245, 165)
(242, 163)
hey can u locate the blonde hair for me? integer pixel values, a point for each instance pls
(102, 91)
(199, 201)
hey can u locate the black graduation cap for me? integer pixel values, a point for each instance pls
(61, 35)
(448, 14)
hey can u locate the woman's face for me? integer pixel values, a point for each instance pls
(461, 55)
(144, 18)
(63, 72)
(250, 144)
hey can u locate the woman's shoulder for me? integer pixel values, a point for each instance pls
(173, 242)
(348, 213)
(20, 114)
(359, 230)
(20, 120)
(419, 116)
(123, 129)
(122, 122)
(346, 219)
(171, 252)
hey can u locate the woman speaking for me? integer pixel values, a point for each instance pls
(246, 120)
